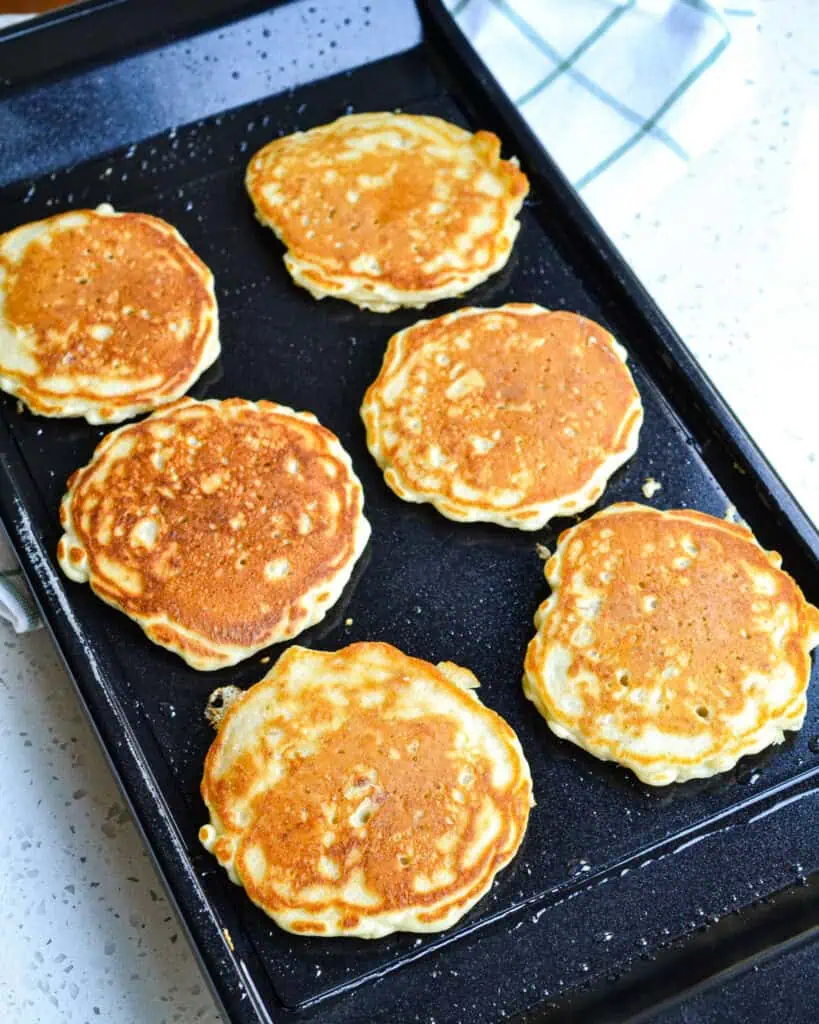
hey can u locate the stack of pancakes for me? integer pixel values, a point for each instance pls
(362, 791)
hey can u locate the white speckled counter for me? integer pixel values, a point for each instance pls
(728, 254)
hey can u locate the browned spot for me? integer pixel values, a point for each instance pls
(309, 927)
(221, 849)
(515, 399)
(392, 221)
(101, 301)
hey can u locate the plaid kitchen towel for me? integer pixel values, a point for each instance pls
(623, 95)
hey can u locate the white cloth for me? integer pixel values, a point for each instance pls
(623, 95)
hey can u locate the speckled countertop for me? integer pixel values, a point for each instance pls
(728, 253)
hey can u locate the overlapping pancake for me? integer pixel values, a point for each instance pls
(511, 416)
(364, 792)
(387, 210)
(103, 315)
(220, 527)
(672, 643)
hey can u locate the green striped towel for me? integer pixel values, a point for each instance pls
(623, 95)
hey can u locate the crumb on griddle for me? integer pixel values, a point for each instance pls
(219, 702)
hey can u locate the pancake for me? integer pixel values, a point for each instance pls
(220, 527)
(103, 315)
(509, 416)
(672, 643)
(388, 210)
(364, 792)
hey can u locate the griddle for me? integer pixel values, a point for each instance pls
(614, 881)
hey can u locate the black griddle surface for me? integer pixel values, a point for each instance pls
(436, 589)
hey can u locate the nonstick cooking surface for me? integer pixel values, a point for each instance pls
(436, 589)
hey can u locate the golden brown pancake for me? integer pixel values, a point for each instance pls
(364, 792)
(220, 527)
(388, 210)
(672, 643)
(103, 315)
(510, 416)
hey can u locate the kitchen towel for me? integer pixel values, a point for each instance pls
(623, 95)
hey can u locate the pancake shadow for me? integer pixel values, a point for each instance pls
(209, 379)
(625, 781)
(466, 535)
(739, 776)
(73, 429)
(337, 310)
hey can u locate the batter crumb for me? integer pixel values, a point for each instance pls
(219, 702)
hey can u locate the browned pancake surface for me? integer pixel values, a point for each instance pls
(117, 308)
(674, 625)
(511, 415)
(216, 524)
(371, 793)
(385, 198)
